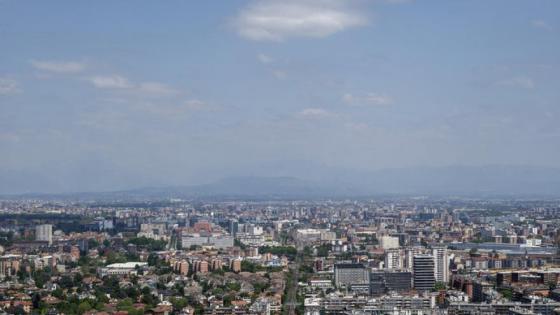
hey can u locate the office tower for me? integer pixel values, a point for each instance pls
(386, 281)
(423, 266)
(410, 252)
(83, 244)
(398, 280)
(43, 232)
(376, 283)
(441, 263)
(233, 227)
(348, 274)
(393, 259)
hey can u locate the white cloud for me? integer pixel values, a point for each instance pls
(518, 82)
(315, 113)
(111, 82)
(279, 74)
(115, 81)
(264, 58)
(59, 66)
(156, 88)
(357, 126)
(8, 86)
(373, 99)
(277, 20)
(195, 104)
(542, 24)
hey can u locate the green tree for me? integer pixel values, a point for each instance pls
(439, 286)
(179, 303)
(506, 292)
(84, 307)
(58, 293)
(227, 300)
(248, 266)
(92, 243)
(66, 282)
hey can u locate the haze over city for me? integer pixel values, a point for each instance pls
(102, 96)
(280, 157)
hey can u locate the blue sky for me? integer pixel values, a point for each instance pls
(117, 94)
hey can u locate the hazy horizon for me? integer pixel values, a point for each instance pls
(105, 95)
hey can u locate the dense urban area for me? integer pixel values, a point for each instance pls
(380, 256)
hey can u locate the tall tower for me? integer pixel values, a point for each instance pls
(424, 278)
(441, 263)
(43, 232)
(410, 252)
(233, 227)
(393, 259)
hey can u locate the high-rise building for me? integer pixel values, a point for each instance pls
(398, 280)
(386, 281)
(236, 265)
(43, 232)
(348, 274)
(216, 264)
(410, 252)
(377, 283)
(182, 267)
(393, 259)
(201, 266)
(424, 276)
(388, 242)
(83, 244)
(441, 263)
(233, 227)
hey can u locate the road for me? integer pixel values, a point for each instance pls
(291, 295)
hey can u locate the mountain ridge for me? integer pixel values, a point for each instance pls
(449, 180)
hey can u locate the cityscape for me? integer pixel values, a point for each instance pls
(379, 256)
(280, 157)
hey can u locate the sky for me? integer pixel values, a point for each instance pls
(105, 95)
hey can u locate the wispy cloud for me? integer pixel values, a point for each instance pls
(280, 74)
(315, 113)
(196, 104)
(542, 24)
(357, 126)
(264, 58)
(8, 86)
(116, 81)
(518, 82)
(277, 20)
(111, 82)
(156, 88)
(153, 98)
(58, 66)
(373, 99)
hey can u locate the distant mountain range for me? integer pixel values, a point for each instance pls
(453, 180)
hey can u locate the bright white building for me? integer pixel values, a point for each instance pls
(121, 269)
(441, 263)
(388, 242)
(394, 259)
